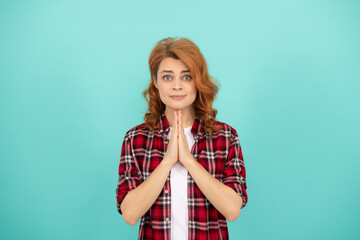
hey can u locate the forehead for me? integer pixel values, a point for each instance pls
(172, 64)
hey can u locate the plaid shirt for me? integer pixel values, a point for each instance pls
(143, 150)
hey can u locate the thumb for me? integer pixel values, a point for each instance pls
(177, 125)
(173, 131)
(181, 128)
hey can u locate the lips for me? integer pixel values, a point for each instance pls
(177, 97)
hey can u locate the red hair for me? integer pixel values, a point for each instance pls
(185, 50)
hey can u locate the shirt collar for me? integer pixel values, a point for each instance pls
(197, 128)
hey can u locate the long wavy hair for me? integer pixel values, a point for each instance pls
(185, 50)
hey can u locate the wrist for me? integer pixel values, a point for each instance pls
(189, 161)
(167, 163)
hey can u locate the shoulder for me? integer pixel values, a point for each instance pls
(225, 130)
(139, 130)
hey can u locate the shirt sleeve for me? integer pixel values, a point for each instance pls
(128, 174)
(234, 170)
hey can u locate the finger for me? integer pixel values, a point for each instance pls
(180, 122)
(174, 121)
(174, 126)
(181, 129)
(177, 126)
(177, 133)
(181, 126)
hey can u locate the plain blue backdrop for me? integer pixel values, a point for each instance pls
(71, 78)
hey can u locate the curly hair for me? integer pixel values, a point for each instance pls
(185, 50)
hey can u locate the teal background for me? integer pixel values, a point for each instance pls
(71, 78)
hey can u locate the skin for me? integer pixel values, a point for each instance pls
(173, 78)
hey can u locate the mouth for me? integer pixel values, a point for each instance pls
(177, 97)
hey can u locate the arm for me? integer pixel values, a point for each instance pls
(229, 195)
(224, 198)
(138, 201)
(134, 198)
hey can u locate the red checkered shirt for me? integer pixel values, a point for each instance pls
(143, 150)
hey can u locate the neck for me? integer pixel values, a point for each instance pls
(187, 116)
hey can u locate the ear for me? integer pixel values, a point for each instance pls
(155, 83)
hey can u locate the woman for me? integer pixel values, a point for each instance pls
(181, 171)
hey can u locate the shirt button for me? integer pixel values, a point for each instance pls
(167, 219)
(166, 191)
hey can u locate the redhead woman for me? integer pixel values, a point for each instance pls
(181, 172)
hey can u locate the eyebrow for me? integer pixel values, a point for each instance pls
(170, 71)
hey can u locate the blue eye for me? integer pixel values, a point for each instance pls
(187, 77)
(167, 77)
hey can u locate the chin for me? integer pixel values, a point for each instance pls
(179, 106)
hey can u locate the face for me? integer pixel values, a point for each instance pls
(176, 85)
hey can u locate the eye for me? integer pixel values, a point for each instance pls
(167, 78)
(187, 77)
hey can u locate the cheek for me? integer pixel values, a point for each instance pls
(162, 88)
(162, 91)
(193, 92)
(194, 89)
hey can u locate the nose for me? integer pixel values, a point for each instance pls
(177, 84)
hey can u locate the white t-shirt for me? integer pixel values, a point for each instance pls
(179, 203)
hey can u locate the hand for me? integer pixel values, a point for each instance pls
(184, 151)
(172, 152)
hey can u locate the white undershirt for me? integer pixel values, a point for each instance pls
(179, 203)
